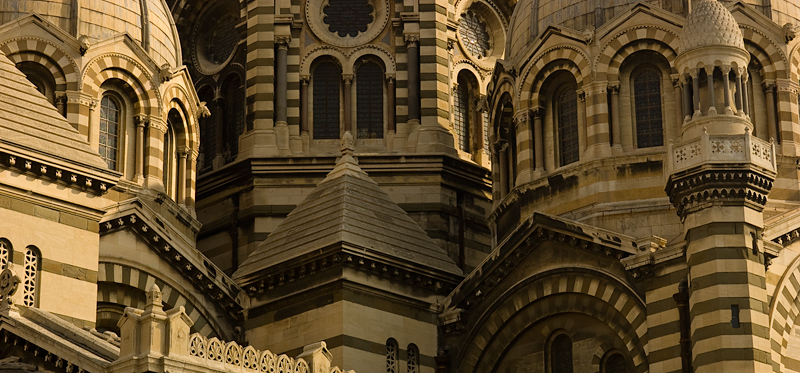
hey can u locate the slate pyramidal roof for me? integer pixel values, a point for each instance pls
(349, 210)
(31, 127)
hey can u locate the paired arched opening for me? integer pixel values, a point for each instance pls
(342, 102)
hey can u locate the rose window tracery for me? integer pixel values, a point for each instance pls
(473, 33)
(348, 17)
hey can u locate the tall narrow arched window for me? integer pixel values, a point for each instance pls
(647, 101)
(326, 83)
(109, 131)
(392, 356)
(615, 364)
(31, 268)
(561, 354)
(5, 253)
(461, 114)
(412, 361)
(369, 101)
(567, 109)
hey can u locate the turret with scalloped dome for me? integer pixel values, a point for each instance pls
(712, 53)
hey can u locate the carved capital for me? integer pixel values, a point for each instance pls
(158, 124)
(521, 117)
(390, 78)
(537, 112)
(581, 95)
(769, 86)
(613, 88)
(141, 120)
(283, 41)
(694, 73)
(412, 40)
(92, 104)
(709, 70)
(726, 69)
(347, 78)
(305, 79)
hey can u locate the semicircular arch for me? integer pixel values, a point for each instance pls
(534, 95)
(45, 50)
(777, 58)
(324, 50)
(533, 73)
(612, 69)
(601, 296)
(174, 295)
(388, 61)
(127, 69)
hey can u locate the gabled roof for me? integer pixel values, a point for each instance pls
(349, 210)
(52, 339)
(31, 127)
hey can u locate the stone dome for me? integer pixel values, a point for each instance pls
(101, 19)
(710, 24)
(532, 17)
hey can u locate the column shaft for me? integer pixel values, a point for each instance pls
(772, 125)
(537, 137)
(280, 83)
(349, 124)
(615, 130)
(141, 121)
(413, 81)
(180, 197)
(390, 97)
(712, 102)
(304, 106)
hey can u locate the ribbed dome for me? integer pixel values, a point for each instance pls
(101, 19)
(710, 24)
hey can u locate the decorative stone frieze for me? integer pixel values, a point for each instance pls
(76, 179)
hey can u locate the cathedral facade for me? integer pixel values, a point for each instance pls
(409, 186)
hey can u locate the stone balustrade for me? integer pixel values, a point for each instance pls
(230, 357)
(721, 149)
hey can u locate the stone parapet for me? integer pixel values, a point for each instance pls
(721, 149)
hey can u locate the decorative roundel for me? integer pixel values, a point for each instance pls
(347, 23)
(8, 283)
(215, 39)
(473, 34)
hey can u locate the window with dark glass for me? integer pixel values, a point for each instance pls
(561, 354)
(461, 115)
(369, 97)
(647, 99)
(615, 364)
(168, 157)
(207, 133)
(568, 127)
(326, 81)
(109, 131)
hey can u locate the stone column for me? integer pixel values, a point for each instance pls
(61, 104)
(712, 102)
(745, 98)
(687, 99)
(676, 87)
(180, 195)
(739, 109)
(191, 171)
(538, 134)
(304, 109)
(281, 126)
(726, 86)
(390, 98)
(772, 125)
(219, 131)
(349, 123)
(524, 147)
(141, 123)
(94, 131)
(502, 152)
(616, 142)
(155, 154)
(695, 74)
(582, 141)
(412, 43)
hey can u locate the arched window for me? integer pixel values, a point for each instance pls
(567, 109)
(109, 131)
(461, 113)
(647, 101)
(369, 97)
(31, 268)
(5, 253)
(412, 361)
(615, 364)
(392, 356)
(326, 85)
(561, 354)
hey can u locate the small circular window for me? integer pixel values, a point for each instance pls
(216, 39)
(474, 36)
